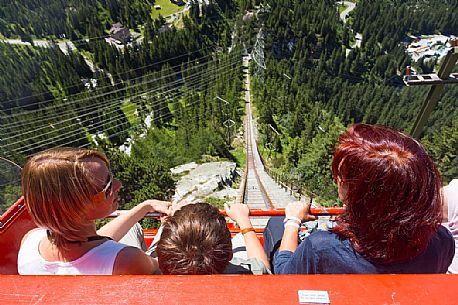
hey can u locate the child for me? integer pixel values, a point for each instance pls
(195, 240)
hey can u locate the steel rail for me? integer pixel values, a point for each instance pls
(250, 162)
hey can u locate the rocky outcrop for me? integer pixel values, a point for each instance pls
(213, 179)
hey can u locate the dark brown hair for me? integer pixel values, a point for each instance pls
(195, 241)
(392, 193)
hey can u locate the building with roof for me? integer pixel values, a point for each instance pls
(120, 34)
(429, 46)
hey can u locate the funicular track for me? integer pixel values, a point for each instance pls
(258, 190)
(255, 194)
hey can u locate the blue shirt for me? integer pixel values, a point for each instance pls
(324, 252)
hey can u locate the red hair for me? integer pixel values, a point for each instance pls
(392, 192)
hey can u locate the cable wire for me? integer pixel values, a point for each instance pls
(88, 107)
(114, 110)
(100, 124)
(117, 90)
(45, 142)
(107, 77)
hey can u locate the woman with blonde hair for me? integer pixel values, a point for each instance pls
(66, 190)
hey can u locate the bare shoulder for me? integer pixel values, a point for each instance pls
(131, 260)
(28, 234)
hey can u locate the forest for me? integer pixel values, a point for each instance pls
(316, 83)
(159, 92)
(168, 81)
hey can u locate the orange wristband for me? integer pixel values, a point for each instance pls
(246, 230)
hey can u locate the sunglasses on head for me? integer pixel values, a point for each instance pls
(108, 188)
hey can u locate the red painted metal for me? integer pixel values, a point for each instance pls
(281, 212)
(342, 289)
(15, 223)
(408, 71)
(258, 212)
(149, 236)
(220, 289)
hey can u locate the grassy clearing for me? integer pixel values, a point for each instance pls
(167, 8)
(342, 7)
(87, 54)
(216, 202)
(240, 156)
(129, 111)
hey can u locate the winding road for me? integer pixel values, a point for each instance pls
(350, 6)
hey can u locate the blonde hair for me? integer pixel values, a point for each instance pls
(58, 190)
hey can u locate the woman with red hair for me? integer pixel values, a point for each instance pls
(391, 190)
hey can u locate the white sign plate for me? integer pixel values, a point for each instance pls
(313, 297)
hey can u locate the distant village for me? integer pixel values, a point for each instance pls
(428, 46)
(120, 36)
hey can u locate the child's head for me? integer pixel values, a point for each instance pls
(195, 241)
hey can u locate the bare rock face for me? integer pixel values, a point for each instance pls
(212, 179)
(226, 193)
(183, 168)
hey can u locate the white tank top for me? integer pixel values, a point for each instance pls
(99, 260)
(452, 197)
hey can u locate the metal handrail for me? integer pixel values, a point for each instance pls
(253, 212)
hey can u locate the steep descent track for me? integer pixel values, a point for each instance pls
(258, 189)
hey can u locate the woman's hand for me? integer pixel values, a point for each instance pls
(118, 227)
(239, 212)
(158, 206)
(299, 210)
